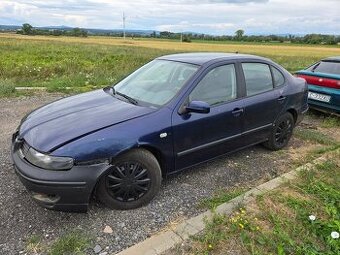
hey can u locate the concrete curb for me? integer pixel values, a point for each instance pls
(161, 242)
(30, 88)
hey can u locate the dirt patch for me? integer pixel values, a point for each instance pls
(331, 132)
(295, 153)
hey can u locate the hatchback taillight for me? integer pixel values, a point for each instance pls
(320, 81)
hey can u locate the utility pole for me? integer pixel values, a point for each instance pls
(124, 25)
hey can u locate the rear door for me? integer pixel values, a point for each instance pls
(199, 137)
(263, 101)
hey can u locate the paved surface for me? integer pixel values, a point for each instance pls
(21, 218)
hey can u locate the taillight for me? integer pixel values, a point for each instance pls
(320, 81)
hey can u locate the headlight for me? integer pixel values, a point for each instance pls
(48, 162)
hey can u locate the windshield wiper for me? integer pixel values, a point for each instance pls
(130, 99)
(111, 90)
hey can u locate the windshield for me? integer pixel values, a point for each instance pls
(156, 82)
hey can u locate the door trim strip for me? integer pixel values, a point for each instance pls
(207, 145)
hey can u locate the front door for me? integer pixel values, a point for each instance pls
(201, 136)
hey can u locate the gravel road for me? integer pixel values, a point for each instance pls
(20, 217)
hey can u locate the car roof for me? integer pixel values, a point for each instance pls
(200, 58)
(333, 59)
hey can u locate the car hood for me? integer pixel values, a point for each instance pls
(68, 119)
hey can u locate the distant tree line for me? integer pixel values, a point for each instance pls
(27, 29)
(239, 36)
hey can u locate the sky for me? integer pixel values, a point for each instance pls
(218, 17)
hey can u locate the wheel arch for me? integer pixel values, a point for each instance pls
(157, 154)
(154, 151)
(293, 112)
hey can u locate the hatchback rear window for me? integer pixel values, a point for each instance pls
(326, 67)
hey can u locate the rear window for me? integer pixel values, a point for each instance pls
(326, 67)
(258, 78)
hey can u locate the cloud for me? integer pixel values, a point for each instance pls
(205, 16)
(185, 26)
(70, 5)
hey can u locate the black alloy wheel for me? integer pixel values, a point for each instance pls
(281, 132)
(128, 181)
(132, 180)
(284, 131)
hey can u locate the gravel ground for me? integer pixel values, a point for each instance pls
(20, 217)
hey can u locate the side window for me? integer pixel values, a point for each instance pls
(278, 77)
(218, 86)
(258, 78)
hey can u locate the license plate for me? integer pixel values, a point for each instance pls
(319, 97)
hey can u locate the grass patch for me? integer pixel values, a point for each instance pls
(70, 243)
(278, 222)
(73, 242)
(318, 152)
(59, 62)
(331, 122)
(314, 136)
(34, 245)
(315, 153)
(221, 197)
(7, 89)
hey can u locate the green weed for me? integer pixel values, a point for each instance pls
(7, 89)
(70, 243)
(314, 136)
(331, 122)
(221, 197)
(34, 244)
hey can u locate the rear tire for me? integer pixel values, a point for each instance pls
(132, 181)
(281, 132)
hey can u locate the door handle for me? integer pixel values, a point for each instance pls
(281, 99)
(237, 111)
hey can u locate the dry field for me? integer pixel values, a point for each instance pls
(83, 64)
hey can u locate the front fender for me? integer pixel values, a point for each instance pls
(100, 145)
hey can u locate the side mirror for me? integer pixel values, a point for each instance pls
(198, 107)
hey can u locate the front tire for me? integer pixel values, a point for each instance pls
(131, 182)
(281, 132)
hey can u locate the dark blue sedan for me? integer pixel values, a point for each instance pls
(173, 113)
